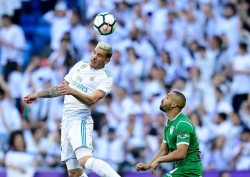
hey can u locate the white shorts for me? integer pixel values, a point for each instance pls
(74, 135)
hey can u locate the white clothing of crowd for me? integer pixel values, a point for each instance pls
(159, 46)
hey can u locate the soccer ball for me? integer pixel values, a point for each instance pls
(104, 23)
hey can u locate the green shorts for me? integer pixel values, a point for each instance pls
(189, 171)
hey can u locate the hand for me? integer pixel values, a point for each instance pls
(64, 89)
(142, 167)
(30, 98)
(154, 165)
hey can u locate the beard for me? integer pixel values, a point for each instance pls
(162, 108)
(165, 108)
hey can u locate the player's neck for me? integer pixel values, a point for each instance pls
(96, 68)
(172, 115)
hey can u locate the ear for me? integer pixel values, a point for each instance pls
(107, 60)
(174, 104)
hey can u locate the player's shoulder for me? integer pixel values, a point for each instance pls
(184, 121)
(106, 73)
(82, 64)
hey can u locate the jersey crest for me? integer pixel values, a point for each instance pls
(171, 129)
(92, 78)
(183, 136)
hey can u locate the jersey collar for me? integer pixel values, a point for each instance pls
(176, 116)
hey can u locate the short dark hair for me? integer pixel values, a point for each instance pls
(222, 115)
(13, 136)
(231, 6)
(243, 46)
(218, 40)
(202, 48)
(181, 99)
(111, 130)
(6, 16)
(2, 92)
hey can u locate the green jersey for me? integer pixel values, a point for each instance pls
(182, 131)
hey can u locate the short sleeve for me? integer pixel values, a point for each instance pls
(105, 85)
(184, 130)
(164, 136)
(68, 77)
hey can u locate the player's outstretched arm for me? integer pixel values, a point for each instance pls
(161, 152)
(48, 93)
(95, 96)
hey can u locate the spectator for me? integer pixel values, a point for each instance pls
(15, 79)
(205, 62)
(217, 158)
(220, 55)
(53, 157)
(134, 144)
(59, 19)
(63, 57)
(230, 28)
(39, 145)
(245, 112)
(155, 51)
(203, 133)
(240, 159)
(10, 118)
(241, 74)
(12, 42)
(78, 35)
(18, 161)
(107, 148)
(170, 67)
(132, 69)
(116, 66)
(209, 21)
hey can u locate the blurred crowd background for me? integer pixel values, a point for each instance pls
(198, 47)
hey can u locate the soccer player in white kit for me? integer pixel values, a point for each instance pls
(83, 86)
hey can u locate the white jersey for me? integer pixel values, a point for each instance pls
(84, 79)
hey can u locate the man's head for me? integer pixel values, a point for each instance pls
(174, 100)
(111, 134)
(101, 55)
(6, 20)
(243, 48)
(60, 9)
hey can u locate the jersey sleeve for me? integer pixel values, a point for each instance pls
(105, 85)
(164, 137)
(184, 131)
(68, 77)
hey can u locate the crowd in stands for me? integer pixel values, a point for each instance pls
(198, 47)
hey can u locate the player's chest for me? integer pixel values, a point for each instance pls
(170, 134)
(88, 79)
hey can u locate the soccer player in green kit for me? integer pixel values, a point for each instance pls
(180, 143)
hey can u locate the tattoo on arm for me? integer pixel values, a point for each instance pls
(49, 93)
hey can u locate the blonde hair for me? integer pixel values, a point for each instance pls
(106, 47)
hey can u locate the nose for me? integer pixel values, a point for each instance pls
(94, 55)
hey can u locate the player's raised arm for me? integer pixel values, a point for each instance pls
(48, 93)
(95, 96)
